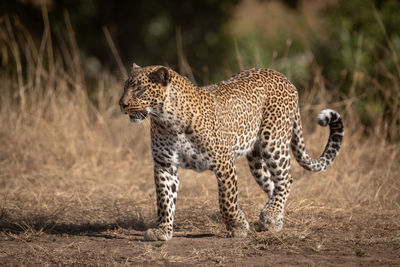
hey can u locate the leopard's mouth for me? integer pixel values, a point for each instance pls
(137, 116)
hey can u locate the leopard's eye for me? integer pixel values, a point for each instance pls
(128, 83)
(138, 92)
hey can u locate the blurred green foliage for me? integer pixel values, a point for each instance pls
(358, 38)
(366, 38)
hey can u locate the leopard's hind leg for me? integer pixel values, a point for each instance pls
(274, 153)
(259, 170)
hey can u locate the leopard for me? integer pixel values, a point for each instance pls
(253, 114)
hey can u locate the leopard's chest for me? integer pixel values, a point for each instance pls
(173, 143)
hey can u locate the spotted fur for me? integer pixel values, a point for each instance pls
(255, 114)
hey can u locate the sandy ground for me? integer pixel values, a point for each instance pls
(338, 240)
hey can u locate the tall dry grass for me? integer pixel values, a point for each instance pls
(70, 161)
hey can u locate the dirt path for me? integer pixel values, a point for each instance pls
(337, 240)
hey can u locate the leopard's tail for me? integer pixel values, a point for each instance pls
(336, 131)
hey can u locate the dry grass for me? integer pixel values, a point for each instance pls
(73, 165)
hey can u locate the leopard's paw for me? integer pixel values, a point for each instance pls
(155, 234)
(240, 230)
(270, 222)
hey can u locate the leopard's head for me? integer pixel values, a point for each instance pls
(144, 91)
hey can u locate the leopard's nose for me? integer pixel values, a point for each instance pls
(122, 104)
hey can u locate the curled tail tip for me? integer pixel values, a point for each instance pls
(326, 116)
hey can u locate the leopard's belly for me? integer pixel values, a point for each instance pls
(190, 157)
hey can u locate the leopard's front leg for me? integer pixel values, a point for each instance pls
(233, 216)
(167, 183)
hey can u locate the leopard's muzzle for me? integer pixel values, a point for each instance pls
(137, 116)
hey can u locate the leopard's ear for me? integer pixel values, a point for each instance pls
(135, 66)
(161, 76)
(135, 69)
